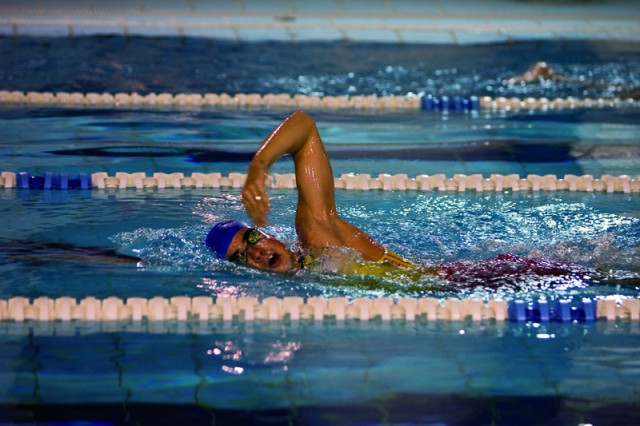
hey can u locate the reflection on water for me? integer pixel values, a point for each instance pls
(301, 368)
(243, 353)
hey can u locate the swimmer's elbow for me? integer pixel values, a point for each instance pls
(303, 117)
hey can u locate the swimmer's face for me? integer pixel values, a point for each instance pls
(256, 249)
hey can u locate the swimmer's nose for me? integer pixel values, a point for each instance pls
(256, 253)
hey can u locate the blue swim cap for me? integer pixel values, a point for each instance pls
(220, 236)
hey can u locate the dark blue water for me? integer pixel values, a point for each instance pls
(454, 373)
(176, 65)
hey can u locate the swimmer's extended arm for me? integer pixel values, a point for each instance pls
(317, 223)
(296, 135)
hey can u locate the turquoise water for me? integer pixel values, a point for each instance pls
(166, 227)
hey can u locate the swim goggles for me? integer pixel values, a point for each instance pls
(251, 237)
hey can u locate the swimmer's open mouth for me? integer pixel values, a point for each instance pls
(274, 260)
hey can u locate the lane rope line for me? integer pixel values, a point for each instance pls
(371, 102)
(349, 181)
(204, 308)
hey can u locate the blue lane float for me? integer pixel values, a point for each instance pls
(557, 311)
(50, 181)
(446, 103)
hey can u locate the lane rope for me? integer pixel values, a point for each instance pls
(204, 308)
(363, 182)
(371, 102)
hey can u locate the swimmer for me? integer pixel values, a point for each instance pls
(539, 73)
(324, 237)
(321, 231)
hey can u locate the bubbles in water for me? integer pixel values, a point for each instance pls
(179, 248)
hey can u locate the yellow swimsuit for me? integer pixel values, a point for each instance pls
(390, 256)
(389, 265)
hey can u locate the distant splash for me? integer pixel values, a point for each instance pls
(613, 79)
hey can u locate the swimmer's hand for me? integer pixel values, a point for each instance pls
(254, 196)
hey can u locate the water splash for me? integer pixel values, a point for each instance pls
(594, 251)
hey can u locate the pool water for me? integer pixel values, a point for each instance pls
(57, 243)
(166, 230)
(282, 373)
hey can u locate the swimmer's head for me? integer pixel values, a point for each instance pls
(236, 241)
(221, 235)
